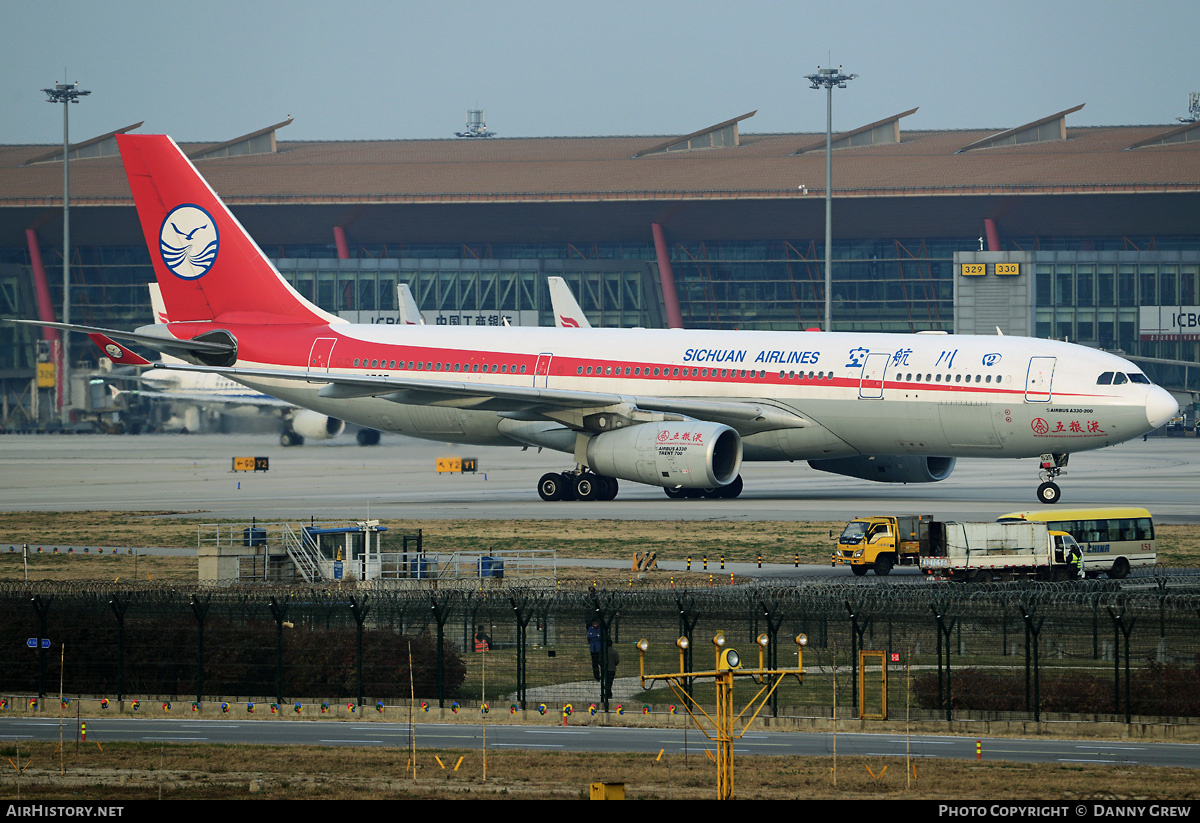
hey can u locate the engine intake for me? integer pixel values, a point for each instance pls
(317, 426)
(889, 468)
(692, 454)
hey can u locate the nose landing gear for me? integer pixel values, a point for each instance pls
(1052, 466)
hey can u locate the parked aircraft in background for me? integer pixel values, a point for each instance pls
(234, 399)
(567, 313)
(410, 315)
(674, 408)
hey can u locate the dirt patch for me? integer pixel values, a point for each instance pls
(743, 542)
(136, 771)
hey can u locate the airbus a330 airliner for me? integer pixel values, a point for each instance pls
(673, 408)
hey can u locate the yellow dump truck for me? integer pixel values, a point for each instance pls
(881, 542)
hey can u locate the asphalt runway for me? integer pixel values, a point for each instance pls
(340, 480)
(602, 739)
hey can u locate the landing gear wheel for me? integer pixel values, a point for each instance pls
(588, 487)
(859, 571)
(550, 487)
(675, 493)
(367, 437)
(732, 490)
(1049, 493)
(1053, 465)
(290, 438)
(610, 488)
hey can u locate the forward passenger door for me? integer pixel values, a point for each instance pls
(1038, 379)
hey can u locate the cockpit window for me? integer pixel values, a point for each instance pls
(1135, 377)
(1105, 379)
(1119, 379)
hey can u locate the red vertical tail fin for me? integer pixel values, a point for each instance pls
(207, 265)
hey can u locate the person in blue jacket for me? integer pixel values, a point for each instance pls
(593, 637)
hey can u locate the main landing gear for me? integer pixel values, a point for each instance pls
(585, 484)
(1052, 466)
(581, 484)
(727, 492)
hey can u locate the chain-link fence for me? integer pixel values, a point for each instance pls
(1005, 651)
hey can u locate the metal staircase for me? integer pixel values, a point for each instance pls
(303, 552)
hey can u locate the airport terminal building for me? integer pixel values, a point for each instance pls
(1090, 234)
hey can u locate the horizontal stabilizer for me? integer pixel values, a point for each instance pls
(117, 353)
(162, 343)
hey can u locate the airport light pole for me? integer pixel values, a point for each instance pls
(827, 79)
(66, 94)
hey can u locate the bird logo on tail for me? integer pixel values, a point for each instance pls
(188, 242)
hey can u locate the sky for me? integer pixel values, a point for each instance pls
(370, 70)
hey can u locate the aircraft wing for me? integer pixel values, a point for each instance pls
(225, 398)
(521, 402)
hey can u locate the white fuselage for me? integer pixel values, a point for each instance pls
(844, 393)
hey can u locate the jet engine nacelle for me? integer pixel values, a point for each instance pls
(311, 424)
(693, 454)
(886, 468)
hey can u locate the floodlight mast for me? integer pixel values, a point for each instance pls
(828, 78)
(65, 93)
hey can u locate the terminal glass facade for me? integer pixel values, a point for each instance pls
(1084, 292)
(1096, 299)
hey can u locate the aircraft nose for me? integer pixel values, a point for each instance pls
(1160, 406)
